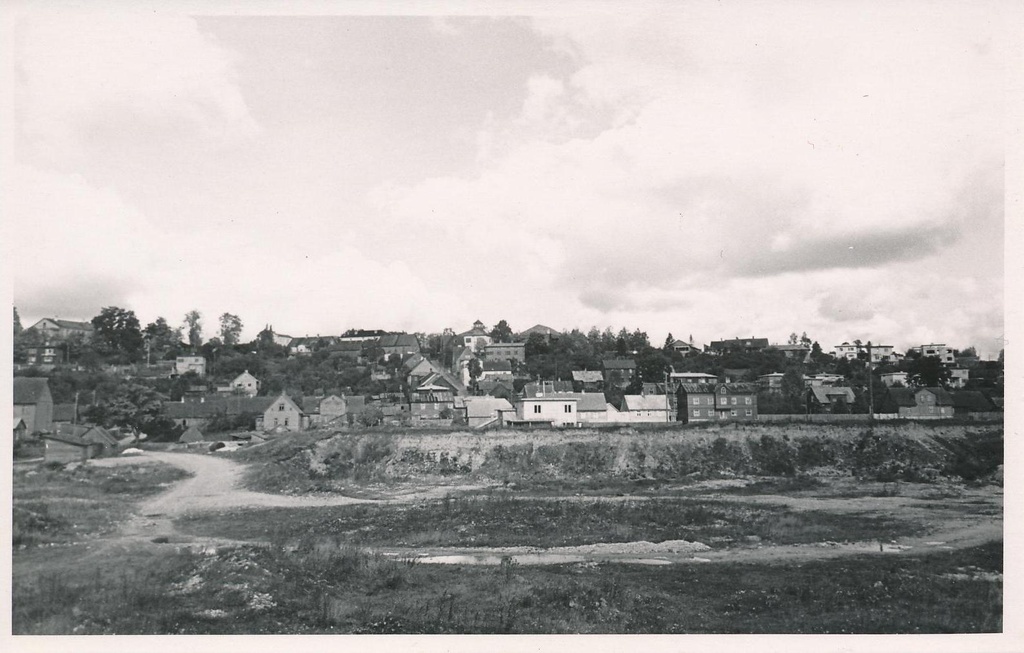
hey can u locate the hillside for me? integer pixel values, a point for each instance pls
(320, 461)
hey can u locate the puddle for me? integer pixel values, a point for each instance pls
(527, 559)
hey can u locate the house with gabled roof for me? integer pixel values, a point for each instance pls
(645, 408)
(970, 402)
(591, 408)
(686, 348)
(398, 343)
(482, 412)
(829, 399)
(33, 403)
(588, 380)
(618, 372)
(695, 402)
(497, 388)
(243, 384)
(922, 403)
(55, 329)
(283, 414)
(736, 401)
(496, 370)
(77, 443)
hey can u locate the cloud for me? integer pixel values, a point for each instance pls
(110, 80)
(730, 148)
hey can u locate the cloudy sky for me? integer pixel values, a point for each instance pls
(702, 168)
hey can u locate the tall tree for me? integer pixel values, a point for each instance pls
(793, 338)
(117, 330)
(17, 322)
(193, 321)
(501, 332)
(162, 338)
(668, 342)
(230, 329)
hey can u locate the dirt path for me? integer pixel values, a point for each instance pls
(216, 485)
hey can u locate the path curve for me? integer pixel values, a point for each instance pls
(215, 485)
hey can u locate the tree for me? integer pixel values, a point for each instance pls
(501, 332)
(193, 320)
(669, 340)
(804, 340)
(17, 322)
(163, 340)
(928, 371)
(793, 389)
(230, 329)
(117, 333)
(793, 338)
(131, 405)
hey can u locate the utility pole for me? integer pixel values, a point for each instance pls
(74, 417)
(871, 387)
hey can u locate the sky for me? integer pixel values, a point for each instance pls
(704, 169)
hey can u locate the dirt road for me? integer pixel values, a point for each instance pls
(216, 486)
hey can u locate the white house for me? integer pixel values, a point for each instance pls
(557, 409)
(645, 408)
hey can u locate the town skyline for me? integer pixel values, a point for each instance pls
(698, 170)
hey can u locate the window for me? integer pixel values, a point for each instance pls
(696, 401)
(749, 412)
(536, 408)
(286, 421)
(696, 413)
(280, 407)
(733, 413)
(734, 401)
(749, 401)
(567, 408)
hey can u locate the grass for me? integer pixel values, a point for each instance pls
(501, 520)
(250, 590)
(53, 505)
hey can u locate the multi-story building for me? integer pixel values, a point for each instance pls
(53, 329)
(847, 350)
(940, 351)
(475, 337)
(736, 401)
(183, 364)
(505, 351)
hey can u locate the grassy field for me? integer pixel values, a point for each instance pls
(54, 505)
(314, 569)
(499, 520)
(252, 590)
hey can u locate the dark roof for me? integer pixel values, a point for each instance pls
(311, 405)
(74, 324)
(829, 394)
(30, 390)
(972, 400)
(231, 405)
(619, 364)
(738, 388)
(739, 342)
(495, 388)
(904, 397)
(942, 398)
(399, 340)
(533, 388)
(697, 388)
(538, 328)
(63, 412)
(497, 366)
